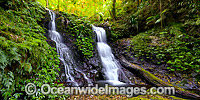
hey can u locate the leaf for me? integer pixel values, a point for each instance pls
(163, 32)
(157, 21)
(150, 19)
(3, 59)
(164, 11)
(169, 62)
(172, 69)
(27, 67)
(198, 21)
(11, 74)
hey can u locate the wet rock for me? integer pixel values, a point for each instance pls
(107, 28)
(46, 20)
(51, 43)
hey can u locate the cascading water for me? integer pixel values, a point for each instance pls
(65, 53)
(111, 67)
(62, 49)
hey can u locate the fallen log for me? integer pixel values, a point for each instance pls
(152, 79)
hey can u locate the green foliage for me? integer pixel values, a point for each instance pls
(173, 46)
(81, 30)
(144, 45)
(25, 56)
(185, 51)
(85, 45)
(162, 32)
(130, 18)
(84, 8)
(136, 17)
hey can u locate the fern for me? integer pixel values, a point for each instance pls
(3, 60)
(24, 51)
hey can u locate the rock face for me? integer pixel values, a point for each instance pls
(119, 48)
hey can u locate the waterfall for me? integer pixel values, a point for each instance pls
(111, 67)
(63, 51)
(65, 54)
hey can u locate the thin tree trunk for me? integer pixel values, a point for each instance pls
(151, 4)
(58, 5)
(47, 4)
(161, 14)
(114, 10)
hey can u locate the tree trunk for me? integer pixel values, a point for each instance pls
(47, 4)
(113, 10)
(152, 79)
(58, 5)
(161, 14)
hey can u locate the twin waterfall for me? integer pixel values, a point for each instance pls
(111, 68)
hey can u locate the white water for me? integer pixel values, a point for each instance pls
(65, 53)
(62, 50)
(110, 65)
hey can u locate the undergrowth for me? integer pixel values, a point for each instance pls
(81, 31)
(25, 56)
(163, 33)
(172, 46)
